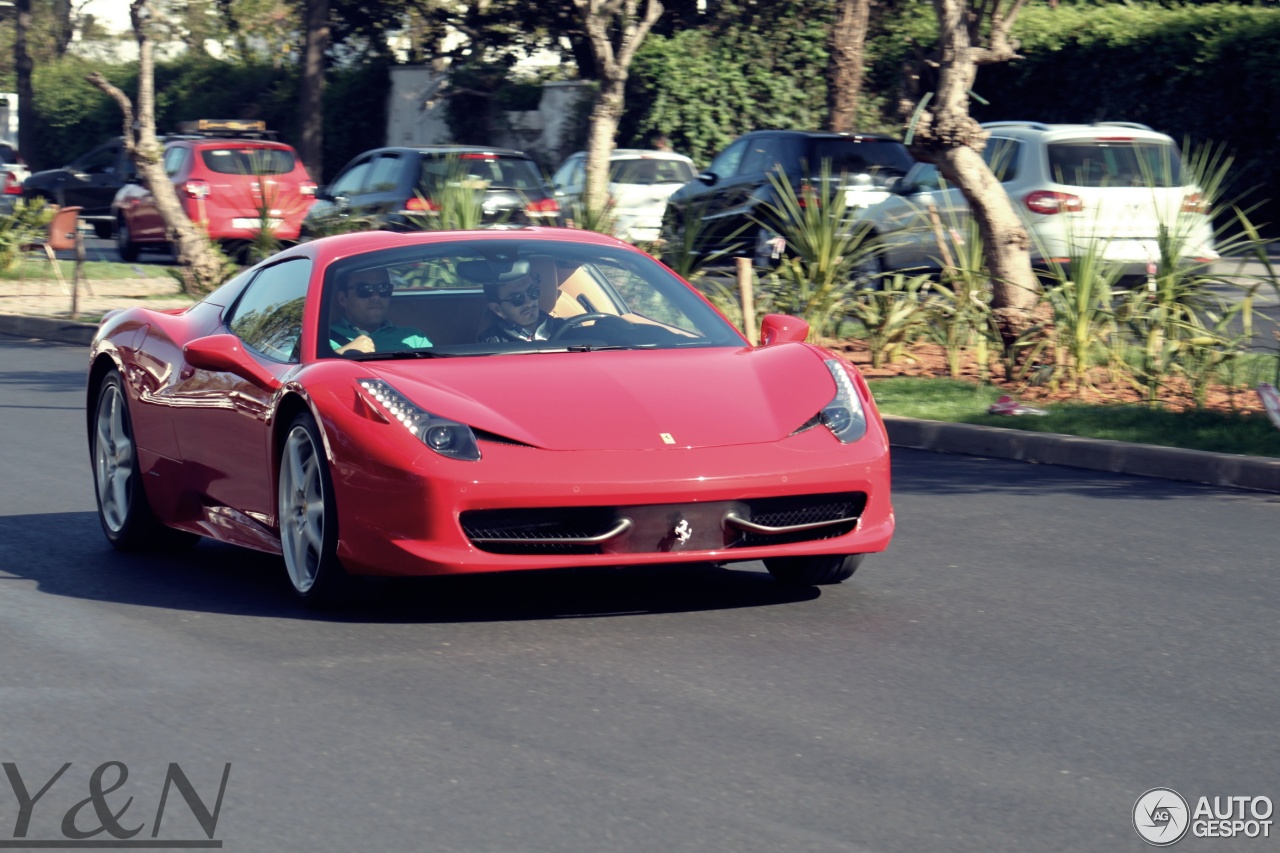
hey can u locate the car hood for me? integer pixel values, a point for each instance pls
(624, 400)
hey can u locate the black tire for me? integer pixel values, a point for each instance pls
(308, 518)
(126, 517)
(103, 230)
(814, 571)
(124, 242)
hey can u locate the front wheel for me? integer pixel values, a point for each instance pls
(813, 571)
(124, 242)
(309, 518)
(103, 230)
(123, 510)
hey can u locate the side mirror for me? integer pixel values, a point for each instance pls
(323, 194)
(782, 329)
(708, 178)
(226, 354)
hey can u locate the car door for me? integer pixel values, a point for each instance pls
(725, 189)
(903, 222)
(223, 420)
(382, 187)
(93, 179)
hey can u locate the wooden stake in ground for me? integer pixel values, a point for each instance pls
(746, 289)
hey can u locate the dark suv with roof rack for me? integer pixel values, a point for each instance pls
(400, 189)
(729, 198)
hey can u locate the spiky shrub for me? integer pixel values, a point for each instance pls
(828, 249)
(602, 221)
(27, 223)
(683, 246)
(892, 316)
(456, 202)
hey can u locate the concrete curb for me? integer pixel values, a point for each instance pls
(47, 329)
(1118, 457)
(1096, 454)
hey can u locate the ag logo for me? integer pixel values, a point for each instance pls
(1161, 817)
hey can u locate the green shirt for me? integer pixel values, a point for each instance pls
(386, 338)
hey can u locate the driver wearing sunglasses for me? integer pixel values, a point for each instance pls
(363, 299)
(518, 316)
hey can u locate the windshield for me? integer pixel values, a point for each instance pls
(501, 297)
(248, 161)
(648, 170)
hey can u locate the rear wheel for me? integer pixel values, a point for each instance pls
(309, 518)
(123, 510)
(103, 230)
(814, 571)
(868, 268)
(124, 242)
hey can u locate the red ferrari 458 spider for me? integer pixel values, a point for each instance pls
(446, 402)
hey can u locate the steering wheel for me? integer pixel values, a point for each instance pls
(578, 319)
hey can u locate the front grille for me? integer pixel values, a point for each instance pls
(659, 528)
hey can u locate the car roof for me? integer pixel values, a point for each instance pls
(450, 149)
(1036, 129)
(638, 154)
(825, 134)
(222, 142)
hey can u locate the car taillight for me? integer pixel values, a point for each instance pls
(307, 188)
(196, 189)
(1195, 203)
(12, 186)
(544, 207)
(1049, 202)
(419, 204)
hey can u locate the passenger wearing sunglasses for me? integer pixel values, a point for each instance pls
(363, 298)
(519, 317)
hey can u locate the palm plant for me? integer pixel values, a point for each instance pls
(1084, 322)
(683, 243)
(456, 203)
(893, 316)
(827, 249)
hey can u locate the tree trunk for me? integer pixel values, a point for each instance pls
(22, 65)
(200, 266)
(844, 68)
(614, 31)
(947, 136)
(311, 100)
(61, 26)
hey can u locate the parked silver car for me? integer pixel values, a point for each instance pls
(640, 182)
(13, 171)
(1109, 187)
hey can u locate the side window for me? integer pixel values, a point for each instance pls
(350, 181)
(567, 174)
(726, 163)
(384, 174)
(926, 179)
(173, 160)
(100, 162)
(761, 156)
(1001, 156)
(268, 317)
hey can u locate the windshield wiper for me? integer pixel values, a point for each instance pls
(602, 347)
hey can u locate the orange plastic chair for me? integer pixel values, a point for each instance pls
(61, 237)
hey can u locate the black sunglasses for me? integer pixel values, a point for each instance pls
(365, 290)
(517, 299)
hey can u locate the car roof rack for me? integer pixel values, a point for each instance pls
(1130, 124)
(223, 128)
(1034, 125)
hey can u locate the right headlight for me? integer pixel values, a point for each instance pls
(844, 415)
(446, 437)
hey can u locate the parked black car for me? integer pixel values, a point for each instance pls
(728, 197)
(90, 181)
(399, 189)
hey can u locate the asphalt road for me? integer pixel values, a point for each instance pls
(1038, 647)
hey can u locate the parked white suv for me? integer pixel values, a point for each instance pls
(640, 182)
(1109, 184)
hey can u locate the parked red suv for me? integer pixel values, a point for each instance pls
(231, 176)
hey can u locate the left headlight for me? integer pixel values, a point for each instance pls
(446, 437)
(844, 415)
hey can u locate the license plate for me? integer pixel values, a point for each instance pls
(1131, 250)
(863, 198)
(255, 223)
